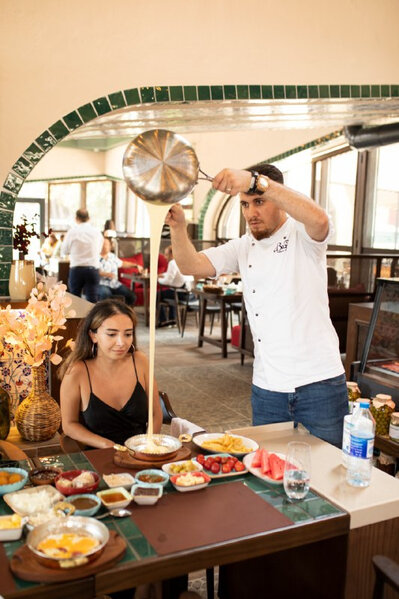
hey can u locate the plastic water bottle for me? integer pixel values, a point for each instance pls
(360, 459)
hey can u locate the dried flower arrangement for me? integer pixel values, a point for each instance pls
(23, 234)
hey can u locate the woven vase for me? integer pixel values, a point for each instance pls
(38, 416)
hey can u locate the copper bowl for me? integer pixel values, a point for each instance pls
(71, 524)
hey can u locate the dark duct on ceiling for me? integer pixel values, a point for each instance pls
(363, 138)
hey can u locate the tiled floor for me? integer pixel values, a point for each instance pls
(203, 387)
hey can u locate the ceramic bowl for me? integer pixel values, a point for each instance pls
(10, 488)
(44, 476)
(157, 474)
(143, 499)
(107, 495)
(70, 475)
(177, 482)
(112, 480)
(11, 527)
(170, 467)
(86, 511)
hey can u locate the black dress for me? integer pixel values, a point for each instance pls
(113, 424)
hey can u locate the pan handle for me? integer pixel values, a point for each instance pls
(206, 177)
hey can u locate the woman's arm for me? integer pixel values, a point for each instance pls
(143, 369)
(70, 398)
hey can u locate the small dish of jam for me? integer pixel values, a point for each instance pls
(116, 497)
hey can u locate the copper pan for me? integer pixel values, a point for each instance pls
(136, 445)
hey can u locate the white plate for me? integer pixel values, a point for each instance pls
(166, 467)
(184, 489)
(249, 443)
(44, 495)
(256, 471)
(220, 474)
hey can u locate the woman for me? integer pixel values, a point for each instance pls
(105, 380)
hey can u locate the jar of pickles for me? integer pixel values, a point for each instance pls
(394, 427)
(353, 394)
(381, 408)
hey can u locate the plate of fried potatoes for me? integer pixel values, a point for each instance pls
(225, 443)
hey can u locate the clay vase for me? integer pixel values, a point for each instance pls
(22, 279)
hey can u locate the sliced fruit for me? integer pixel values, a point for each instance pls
(264, 461)
(276, 467)
(256, 458)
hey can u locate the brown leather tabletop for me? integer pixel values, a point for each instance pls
(216, 514)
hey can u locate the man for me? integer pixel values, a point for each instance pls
(83, 244)
(109, 284)
(172, 278)
(298, 373)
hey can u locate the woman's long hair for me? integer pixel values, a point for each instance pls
(102, 310)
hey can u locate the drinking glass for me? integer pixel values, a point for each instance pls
(297, 470)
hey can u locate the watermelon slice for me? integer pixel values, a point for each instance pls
(264, 462)
(256, 459)
(276, 467)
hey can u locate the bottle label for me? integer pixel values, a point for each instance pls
(361, 447)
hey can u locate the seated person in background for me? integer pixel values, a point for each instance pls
(105, 382)
(109, 284)
(51, 247)
(174, 278)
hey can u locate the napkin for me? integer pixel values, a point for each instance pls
(180, 426)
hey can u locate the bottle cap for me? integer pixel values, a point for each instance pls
(364, 403)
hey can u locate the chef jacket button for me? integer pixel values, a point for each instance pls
(252, 244)
(259, 340)
(253, 290)
(256, 314)
(249, 265)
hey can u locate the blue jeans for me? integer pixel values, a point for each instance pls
(319, 406)
(105, 292)
(84, 278)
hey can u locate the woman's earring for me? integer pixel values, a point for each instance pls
(94, 350)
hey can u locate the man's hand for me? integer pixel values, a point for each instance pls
(175, 217)
(232, 181)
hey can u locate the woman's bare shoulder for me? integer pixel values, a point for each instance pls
(77, 369)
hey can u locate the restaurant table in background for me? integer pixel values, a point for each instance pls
(143, 280)
(223, 300)
(233, 519)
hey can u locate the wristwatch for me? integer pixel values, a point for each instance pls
(259, 183)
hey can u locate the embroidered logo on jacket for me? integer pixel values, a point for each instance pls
(281, 246)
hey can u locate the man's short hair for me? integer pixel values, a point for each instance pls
(269, 171)
(82, 215)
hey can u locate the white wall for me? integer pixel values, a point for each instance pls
(56, 55)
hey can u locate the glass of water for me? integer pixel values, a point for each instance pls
(297, 470)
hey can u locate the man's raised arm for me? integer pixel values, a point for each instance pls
(189, 261)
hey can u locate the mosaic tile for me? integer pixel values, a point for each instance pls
(13, 182)
(345, 91)
(7, 201)
(355, 91)
(217, 92)
(255, 92)
(3, 288)
(22, 167)
(132, 96)
(290, 92)
(313, 91)
(278, 92)
(375, 91)
(46, 141)
(87, 113)
(116, 100)
(267, 92)
(102, 105)
(230, 92)
(395, 91)
(129, 556)
(294, 512)
(302, 91)
(385, 91)
(142, 547)
(334, 91)
(6, 218)
(4, 270)
(162, 94)
(176, 93)
(318, 508)
(129, 529)
(5, 236)
(147, 94)
(324, 91)
(365, 91)
(204, 92)
(242, 92)
(72, 120)
(190, 93)
(58, 130)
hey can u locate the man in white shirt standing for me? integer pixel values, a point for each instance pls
(171, 278)
(298, 373)
(83, 244)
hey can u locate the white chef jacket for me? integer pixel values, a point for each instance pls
(284, 281)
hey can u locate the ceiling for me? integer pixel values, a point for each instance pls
(118, 127)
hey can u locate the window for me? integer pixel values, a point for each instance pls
(99, 202)
(382, 200)
(335, 184)
(64, 200)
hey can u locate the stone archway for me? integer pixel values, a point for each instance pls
(157, 95)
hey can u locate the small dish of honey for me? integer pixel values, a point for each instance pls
(117, 497)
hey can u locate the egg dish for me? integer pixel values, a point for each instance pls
(67, 545)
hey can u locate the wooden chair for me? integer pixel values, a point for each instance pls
(386, 572)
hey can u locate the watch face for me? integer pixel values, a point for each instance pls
(262, 183)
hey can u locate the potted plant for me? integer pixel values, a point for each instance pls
(22, 274)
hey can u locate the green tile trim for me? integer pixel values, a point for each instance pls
(324, 91)
(4, 288)
(217, 92)
(307, 146)
(6, 251)
(22, 167)
(46, 141)
(59, 130)
(267, 92)
(278, 92)
(334, 91)
(72, 120)
(190, 93)
(204, 208)
(230, 92)
(33, 154)
(5, 236)
(290, 92)
(243, 92)
(132, 96)
(7, 202)
(147, 94)
(87, 113)
(13, 182)
(162, 94)
(255, 92)
(117, 100)
(204, 92)
(176, 93)
(102, 106)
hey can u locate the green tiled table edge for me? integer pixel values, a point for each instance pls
(312, 508)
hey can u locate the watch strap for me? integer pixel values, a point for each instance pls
(252, 186)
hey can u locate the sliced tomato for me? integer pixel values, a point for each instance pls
(264, 461)
(256, 458)
(276, 467)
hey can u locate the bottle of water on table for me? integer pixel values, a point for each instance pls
(360, 459)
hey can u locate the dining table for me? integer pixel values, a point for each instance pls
(223, 299)
(233, 520)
